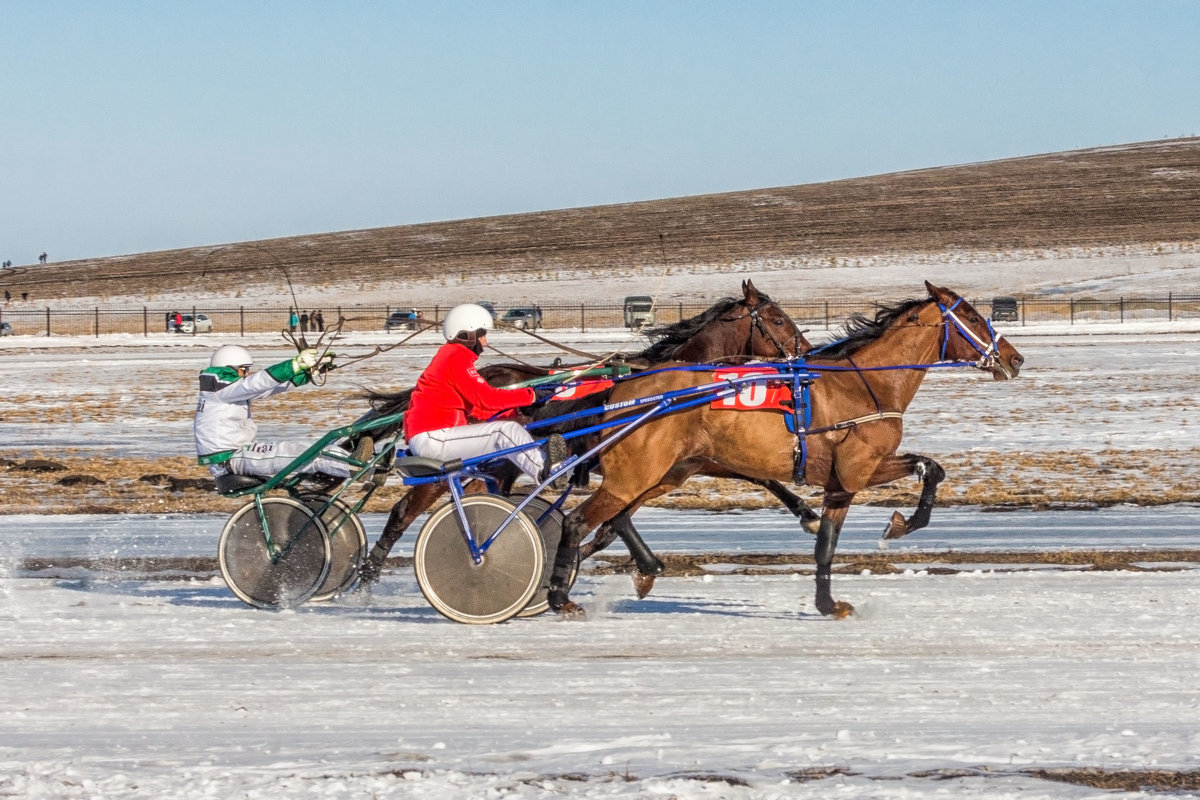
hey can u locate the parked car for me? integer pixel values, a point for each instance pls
(491, 309)
(639, 311)
(1005, 308)
(201, 324)
(5, 329)
(524, 317)
(401, 321)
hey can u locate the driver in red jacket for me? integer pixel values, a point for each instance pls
(450, 395)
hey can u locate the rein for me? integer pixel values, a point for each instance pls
(320, 376)
(552, 343)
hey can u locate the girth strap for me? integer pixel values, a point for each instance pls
(800, 454)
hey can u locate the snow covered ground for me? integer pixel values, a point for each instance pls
(720, 685)
(717, 686)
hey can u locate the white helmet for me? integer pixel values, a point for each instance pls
(465, 319)
(231, 355)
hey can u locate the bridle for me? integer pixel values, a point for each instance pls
(987, 350)
(757, 323)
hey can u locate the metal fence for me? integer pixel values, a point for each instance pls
(819, 314)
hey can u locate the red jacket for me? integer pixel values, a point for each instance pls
(450, 392)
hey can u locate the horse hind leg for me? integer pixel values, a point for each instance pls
(931, 474)
(599, 508)
(810, 520)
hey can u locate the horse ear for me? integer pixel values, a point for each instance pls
(937, 292)
(749, 292)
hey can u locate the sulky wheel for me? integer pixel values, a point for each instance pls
(550, 524)
(281, 576)
(499, 586)
(347, 544)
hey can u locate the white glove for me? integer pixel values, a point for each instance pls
(306, 360)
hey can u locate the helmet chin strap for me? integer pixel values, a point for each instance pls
(470, 340)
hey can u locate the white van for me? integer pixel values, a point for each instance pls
(639, 311)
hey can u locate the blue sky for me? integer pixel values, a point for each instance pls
(128, 127)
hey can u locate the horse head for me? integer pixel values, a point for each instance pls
(773, 333)
(969, 336)
(752, 326)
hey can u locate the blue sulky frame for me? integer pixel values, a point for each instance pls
(423, 471)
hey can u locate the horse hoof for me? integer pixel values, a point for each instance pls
(571, 610)
(841, 610)
(642, 584)
(811, 525)
(897, 527)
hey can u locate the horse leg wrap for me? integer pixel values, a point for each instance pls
(372, 566)
(647, 563)
(931, 474)
(565, 558)
(827, 539)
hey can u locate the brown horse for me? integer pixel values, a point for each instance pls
(753, 326)
(867, 381)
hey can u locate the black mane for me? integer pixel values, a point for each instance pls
(669, 338)
(860, 331)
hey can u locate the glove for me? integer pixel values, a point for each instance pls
(544, 393)
(307, 359)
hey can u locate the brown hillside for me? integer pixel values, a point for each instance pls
(1133, 195)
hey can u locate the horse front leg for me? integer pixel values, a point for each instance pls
(837, 504)
(414, 503)
(931, 474)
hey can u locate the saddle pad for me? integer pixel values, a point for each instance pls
(577, 389)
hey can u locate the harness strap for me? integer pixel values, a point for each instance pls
(800, 456)
(851, 423)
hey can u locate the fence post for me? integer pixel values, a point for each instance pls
(145, 321)
(1121, 305)
(582, 319)
(47, 322)
(241, 321)
(195, 321)
(96, 323)
(1072, 307)
(1169, 309)
(826, 315)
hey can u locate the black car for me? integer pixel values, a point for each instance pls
(1005, 308)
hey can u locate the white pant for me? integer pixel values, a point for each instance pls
(265, 459)
(481, 438)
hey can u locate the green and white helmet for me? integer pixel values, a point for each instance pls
(231, 355)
